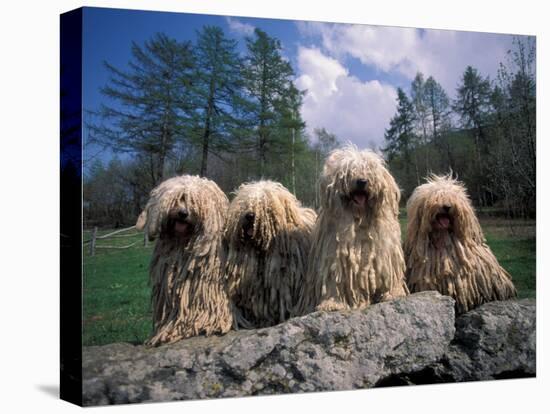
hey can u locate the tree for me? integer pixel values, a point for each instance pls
(492, 145)
(267, 79)
(513, 159)
(116, 192)
(473, 101)
(438, 111)
(473, 107)
(418, 99)
(106, 207)
(288, 139)
(217, 87)
(325, 143)
(151, 102)
(522, 97)
(400, 135)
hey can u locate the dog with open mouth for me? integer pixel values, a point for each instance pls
(186, 216)
(268, 239)
(445, 248)
(356, 257)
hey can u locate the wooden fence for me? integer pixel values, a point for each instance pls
(121, 233)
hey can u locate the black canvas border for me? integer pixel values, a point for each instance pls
(71, 206)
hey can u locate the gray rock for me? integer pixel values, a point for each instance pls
(408, 340)
(496, 340)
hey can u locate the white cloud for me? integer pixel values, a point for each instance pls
(443, 54)
(354, 110)
(236, 26)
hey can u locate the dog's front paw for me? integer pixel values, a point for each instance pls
(331, 305)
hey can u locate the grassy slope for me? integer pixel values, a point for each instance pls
(116, 290)
(117, 294)
(518, 257)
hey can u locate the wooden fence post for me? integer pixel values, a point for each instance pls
(93, 241)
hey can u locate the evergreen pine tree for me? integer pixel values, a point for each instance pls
(151, 102)
(217, 86)
(267, 80)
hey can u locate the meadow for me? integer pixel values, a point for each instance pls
(117, 293)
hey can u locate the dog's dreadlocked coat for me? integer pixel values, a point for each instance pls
(186, 215)
(445, 248)
(268, 238)
(356, 257)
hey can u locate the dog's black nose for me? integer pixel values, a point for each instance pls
(183, 214)
(250, 216)
(361, 183)
(446, 207)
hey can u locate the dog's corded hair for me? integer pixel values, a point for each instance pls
(189, 295)
(265, 269)
(356, 257)
(458, 263)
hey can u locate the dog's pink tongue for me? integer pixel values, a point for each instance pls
(250, 231)
(181, 227)
(360, 199)
(444, 222)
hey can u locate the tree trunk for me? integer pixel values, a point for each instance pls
(416, 168)
(449, 154)
(316, 186)
(480, 195)
(209, 113)
(204, 161)
(160, 168)
(425, 141)
(263, 110)
(162, 153)
(206, 137)
(293, 166)
(152, 169)
(261, 150)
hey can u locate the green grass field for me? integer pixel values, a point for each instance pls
(116, 290)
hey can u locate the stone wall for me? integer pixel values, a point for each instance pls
(412, 340)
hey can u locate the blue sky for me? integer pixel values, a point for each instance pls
(350, 72)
